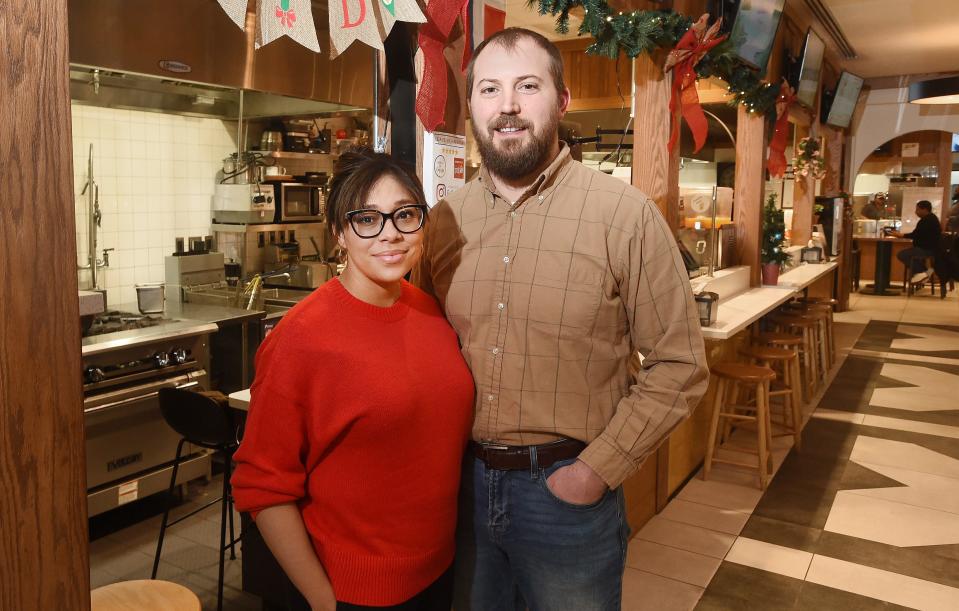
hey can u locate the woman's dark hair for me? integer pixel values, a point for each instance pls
(354, 174)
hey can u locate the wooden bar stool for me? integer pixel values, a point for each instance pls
(786, 360)
(829, 343)
(143, 595)
(807, 329)
(729, 377)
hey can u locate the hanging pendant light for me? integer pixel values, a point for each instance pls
(936, 91)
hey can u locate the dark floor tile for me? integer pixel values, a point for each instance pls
(785, 534)
(814, 597)
(939, 565)
(801, 505)
(857, 477)
(743, 588)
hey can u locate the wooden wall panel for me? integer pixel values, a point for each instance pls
(748, 191)
(43, 537)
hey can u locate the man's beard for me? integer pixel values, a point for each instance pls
(513, 160)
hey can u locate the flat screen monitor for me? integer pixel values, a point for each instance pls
(755, 30)
(810, 71)
(844, 100)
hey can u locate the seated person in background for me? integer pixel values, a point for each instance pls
(952, 219)
(875, 207)
(925, 239)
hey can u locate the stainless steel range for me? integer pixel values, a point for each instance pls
(127, 358)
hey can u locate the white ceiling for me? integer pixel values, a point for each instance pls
(891, 37)
(896, 37)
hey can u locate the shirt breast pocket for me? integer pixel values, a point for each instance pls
(566, 293)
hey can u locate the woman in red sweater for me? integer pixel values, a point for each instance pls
(360, 413)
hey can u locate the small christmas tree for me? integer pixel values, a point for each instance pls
(774, 230)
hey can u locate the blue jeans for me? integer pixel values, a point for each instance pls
(519, 546)
(913, 257)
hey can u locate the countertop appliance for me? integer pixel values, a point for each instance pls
(244, 203)
(126, 359)
(298, 202)
(183, 271)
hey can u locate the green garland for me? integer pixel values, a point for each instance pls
(640, 32)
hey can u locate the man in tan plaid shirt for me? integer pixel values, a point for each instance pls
(554, 276)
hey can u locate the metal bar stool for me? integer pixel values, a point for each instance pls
(786, 360)
(807, 329)
(207, 423)
(729, 377)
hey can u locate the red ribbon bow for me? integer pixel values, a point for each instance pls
(433, 35)
(695, 43)
(776, 164)
(287, 18)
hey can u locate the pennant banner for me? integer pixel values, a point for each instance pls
(236, 11)
(368, 21)
(293, 18)
(682, 60)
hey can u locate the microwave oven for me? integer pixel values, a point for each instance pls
(299, 203)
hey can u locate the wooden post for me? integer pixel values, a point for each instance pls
(43, 538)
(748, 191)
(944, 163)
(803, 199)
(655, 169)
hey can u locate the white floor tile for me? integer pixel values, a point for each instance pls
(912, 426)
(665, 561)
(644, 591)
(902, 356)
(926, 390)
(838, 415)
(921, 489)
(687, 537)
(721, 494)
(904, 455)
(706, 516)
(856, 514)
(883, 585)
(768, 557)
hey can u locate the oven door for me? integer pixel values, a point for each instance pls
(126, 433)
(300, 203)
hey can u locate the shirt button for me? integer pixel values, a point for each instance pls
(490, 397)
(501, 305)
(541, 198)
(513, 213)
(495, 350)
(505, 259)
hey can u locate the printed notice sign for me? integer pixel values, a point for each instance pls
(444, 165)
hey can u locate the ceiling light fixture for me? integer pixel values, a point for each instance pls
(936, 91)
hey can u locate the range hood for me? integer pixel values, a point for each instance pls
(187, 57)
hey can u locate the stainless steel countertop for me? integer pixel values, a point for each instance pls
(208, 313)
(124, 339)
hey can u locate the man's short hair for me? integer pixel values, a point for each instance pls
(925, 204)
(508, 39)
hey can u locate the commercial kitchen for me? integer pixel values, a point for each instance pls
(185, 167)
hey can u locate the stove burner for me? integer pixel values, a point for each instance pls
(113, 321)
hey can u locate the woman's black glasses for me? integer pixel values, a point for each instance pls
(369, 223)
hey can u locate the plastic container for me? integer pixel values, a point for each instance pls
(150, 298)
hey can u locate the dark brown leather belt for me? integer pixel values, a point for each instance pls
(512, 458)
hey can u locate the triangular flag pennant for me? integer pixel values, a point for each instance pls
(368, 21)
(235, 10)
(293, 18)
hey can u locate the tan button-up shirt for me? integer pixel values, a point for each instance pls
(551, 296)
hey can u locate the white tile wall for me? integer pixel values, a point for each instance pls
(156, 175)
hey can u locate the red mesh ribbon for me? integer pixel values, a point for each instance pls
(433, 35)
(682, 60)
(776, 164)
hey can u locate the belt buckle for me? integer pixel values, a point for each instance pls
(492, 446)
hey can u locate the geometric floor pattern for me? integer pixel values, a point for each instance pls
(866, 516)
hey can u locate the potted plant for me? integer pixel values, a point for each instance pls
(772, 252)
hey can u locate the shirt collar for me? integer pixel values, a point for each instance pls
(547, 178)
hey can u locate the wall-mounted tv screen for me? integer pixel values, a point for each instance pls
(755, 30)
(810, 71)
(844, 100)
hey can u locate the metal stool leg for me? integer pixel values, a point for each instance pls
(166, 510)
(227, 473)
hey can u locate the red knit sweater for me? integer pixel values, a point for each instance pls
(360, 415)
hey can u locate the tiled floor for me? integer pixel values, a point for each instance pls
(865, 517)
